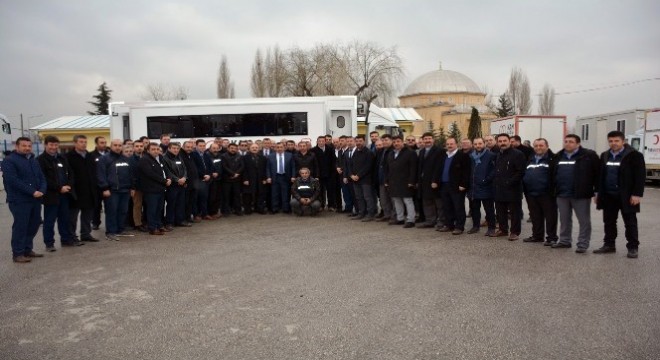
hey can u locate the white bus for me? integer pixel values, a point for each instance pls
(293, 118)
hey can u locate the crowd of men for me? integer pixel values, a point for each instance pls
(154, 187)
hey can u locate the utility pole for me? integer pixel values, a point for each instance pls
(22, 129)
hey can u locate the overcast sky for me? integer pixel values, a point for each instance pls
(55, 54)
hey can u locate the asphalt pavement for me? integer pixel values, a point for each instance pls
(282, 287)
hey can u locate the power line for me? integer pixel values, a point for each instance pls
(627, 83)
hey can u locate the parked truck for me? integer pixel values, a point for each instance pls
(532, 127)
(641, 128)
(648, 142)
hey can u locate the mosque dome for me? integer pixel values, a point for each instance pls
(442, 81)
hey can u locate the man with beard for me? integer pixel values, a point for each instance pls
(175, 170)
(99, 151)
(83, 167)
(325, 154)
(400, 180)
(254, 181)
(213, 158)
(193, 179)
(427, 166)
(115, 180)
(232, 169)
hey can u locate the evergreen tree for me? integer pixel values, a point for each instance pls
(455, 132)
(440, 137)
(102, 100)
(505, 108)
(474, 130)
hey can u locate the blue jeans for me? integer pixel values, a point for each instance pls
(59, 212)
(280, 193)
(176, 205)
(154, 204)
(27, 218)
(116, 208)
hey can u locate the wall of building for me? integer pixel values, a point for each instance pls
(66, 136)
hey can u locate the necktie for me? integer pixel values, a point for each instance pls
(281, 164)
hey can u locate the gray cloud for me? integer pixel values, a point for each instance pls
(55, 54)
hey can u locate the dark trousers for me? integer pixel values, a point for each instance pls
(453, 206)
(60, 213)
(432, 208)
(86, 216)
(191, 199)
(349, 197)
(96, 215)
(254, 200)
(280, 193)
(611, 208)
(337, 182)
(201, 205)
(325, 197)
(215, 197)
(176, 205)
(503, 208)
(489, 209)
(116, 208)
(267, 188)
(27, 218)
(154, 203)
(231, 197)
(543, 212)
(364, 199)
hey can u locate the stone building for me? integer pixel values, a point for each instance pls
(442, 97)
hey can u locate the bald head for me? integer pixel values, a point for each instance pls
(116, 146)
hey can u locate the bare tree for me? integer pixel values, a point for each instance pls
(519, 91)
(276, 72)
(258, 83)
(547, 100)
(225, 87)
(302, 72)
(164, 92)
(373, 72)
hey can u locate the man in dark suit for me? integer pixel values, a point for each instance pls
(427, 167)
(346, 146)
(100, 150)
(204, 172)
(453, 179)
(266, 150)
(59, 180)
(83, 167)
(400, 179)
(381, 164)
(254, 181)
(232, 170)
(623, 173)
(325, 157)
(279, 173)
(360, 167)
(304, 158)
(154, 182)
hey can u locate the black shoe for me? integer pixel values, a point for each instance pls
(580, 250)
(532, 239)
(605, 250)
(426, 225)
(632, 253)
(561, 246)
(409, 225)
(73, 243)
(396, 222)
(549, 243)
(445, 229)
(358, 217)
(51, 248)
(352, 214)
(368, 219)
(474, 230)
(89, 239)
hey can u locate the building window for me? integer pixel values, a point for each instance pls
(228, 125)
(585, 132)
(621, 126)
(341, 122)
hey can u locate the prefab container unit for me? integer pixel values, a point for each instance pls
(293, 118)
(593, 129)
(532, 127)
(651, 144)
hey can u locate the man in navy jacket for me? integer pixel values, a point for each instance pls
(279, 173)
(481, 187)
(25, 185)
(115, 178)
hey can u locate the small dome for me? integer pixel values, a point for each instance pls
(442, 81)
